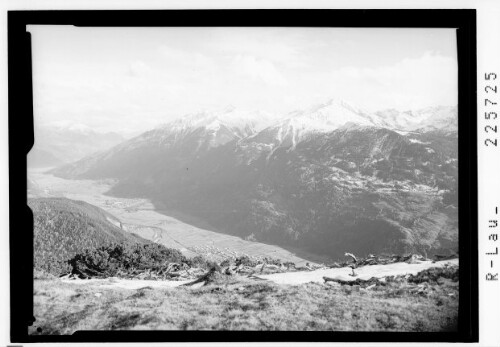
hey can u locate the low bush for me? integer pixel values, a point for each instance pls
(246, 261)
(433, 274)
(200, 262)
(63, 228)
(107, 261)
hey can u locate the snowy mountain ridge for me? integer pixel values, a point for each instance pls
(243, 123)
(319, 118)
(444, 118)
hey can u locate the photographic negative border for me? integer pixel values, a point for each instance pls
(21, 140)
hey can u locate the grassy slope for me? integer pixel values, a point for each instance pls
(242, 304)
(64, 227)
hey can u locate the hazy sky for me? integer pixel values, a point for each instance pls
(130, 79)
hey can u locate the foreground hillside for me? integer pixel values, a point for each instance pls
(426, 302)
(63, 227)
(132, 284)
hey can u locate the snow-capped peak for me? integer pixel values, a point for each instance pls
(442, 118)
(244, 123)
(217, 127)
(330, 115)
(67, 126)
(207, 128)
(320, 118)
(339, 114)
(82, 128)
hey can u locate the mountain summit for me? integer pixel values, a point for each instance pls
(437, 118)
(321, 118)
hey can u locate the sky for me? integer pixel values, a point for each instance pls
(131, 79)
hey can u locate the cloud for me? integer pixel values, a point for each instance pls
(128, 80)
(257, 69)
(179, 57)
(283, 47)
(429, 80)
(138, 68)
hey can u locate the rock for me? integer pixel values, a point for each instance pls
(198, 285)
(333, 284)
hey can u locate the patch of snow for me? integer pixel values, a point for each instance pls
(418, 141)
(243, 122)
(364, 273)
(114, 282)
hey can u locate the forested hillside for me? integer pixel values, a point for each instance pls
(63, 228)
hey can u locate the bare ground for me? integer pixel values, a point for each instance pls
(240, 303)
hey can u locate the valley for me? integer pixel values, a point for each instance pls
(140, 217)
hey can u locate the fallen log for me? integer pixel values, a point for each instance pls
(334, 265)
(205, 278)
(271, 267)
(439, 257)
(358, 281)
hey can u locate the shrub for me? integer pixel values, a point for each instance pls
(251, 237)
(246, 261)
(113, 259)
(433, 274)
(201, 262)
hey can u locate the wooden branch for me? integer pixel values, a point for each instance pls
(352, 256)
(203, 278)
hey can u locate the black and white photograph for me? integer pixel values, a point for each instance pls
(244, 178)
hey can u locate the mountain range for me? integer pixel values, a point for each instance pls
(329, 179)
(55, 144)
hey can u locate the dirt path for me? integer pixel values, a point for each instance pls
(363, 273)
(287, 278)
(114, 282)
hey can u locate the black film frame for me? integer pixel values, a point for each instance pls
(21, 138)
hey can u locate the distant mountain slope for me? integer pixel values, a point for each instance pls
(39, 158)
(179, 142)
(329, 179)
(55, 145)
(64, 227)
(439, 118)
